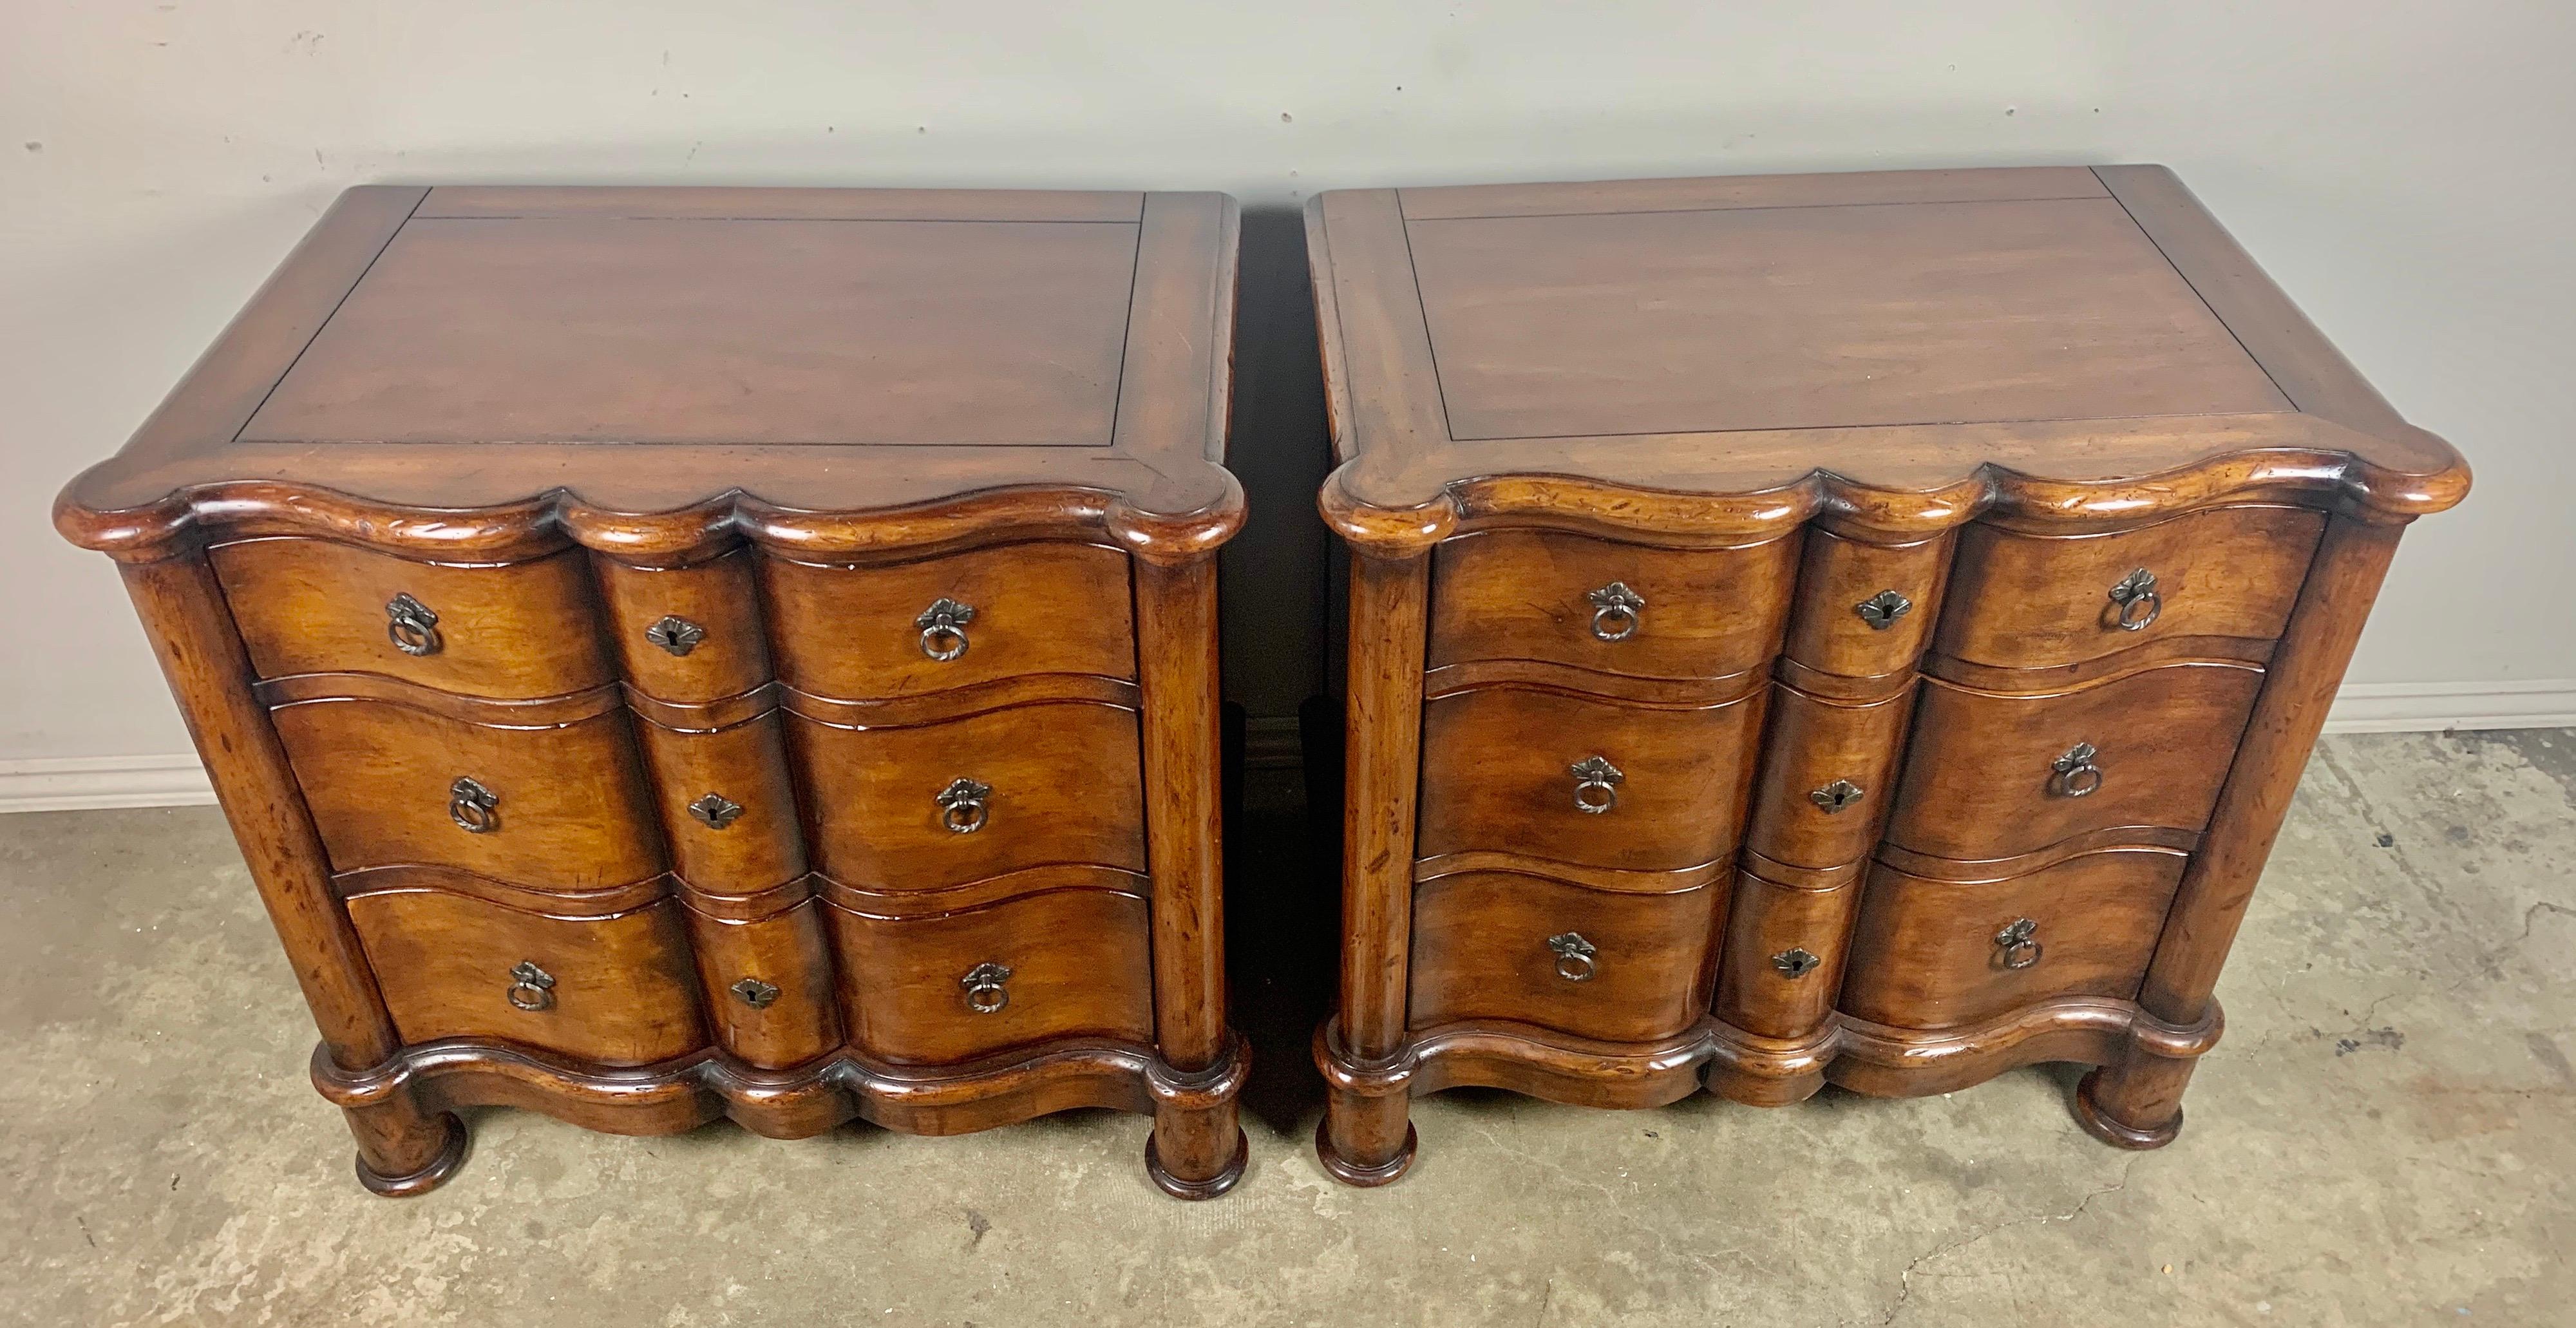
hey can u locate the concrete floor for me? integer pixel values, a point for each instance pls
(2387, 1136)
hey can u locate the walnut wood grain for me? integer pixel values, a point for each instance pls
(623, 991)
(1827, 778)
(514, 631)
(2027, 601)
(1838, 574)
(1785, 954)
(1481, 950)
(1497, 775)
(771, 995)
(1524, 595)
(1980, 778)
(717, 647)
(854, 632)
(574, 809)
(1080, 966)
(725, 804)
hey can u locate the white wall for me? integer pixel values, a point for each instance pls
(2401, 169)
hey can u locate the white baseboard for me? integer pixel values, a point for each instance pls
(79, 783)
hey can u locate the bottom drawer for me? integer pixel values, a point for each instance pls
(1595, 963)
(610, 991)
(1934, 954)
(951, 987)
(1784, 956)
(769, 985)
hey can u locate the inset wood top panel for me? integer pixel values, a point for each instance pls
(607, 329)
(476, 372)
(1699, 360)
(1817, 317)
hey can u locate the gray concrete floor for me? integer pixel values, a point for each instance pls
(2387, 1136)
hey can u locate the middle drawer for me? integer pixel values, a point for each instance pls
(1575, 779)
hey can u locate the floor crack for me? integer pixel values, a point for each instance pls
(1905, 1279)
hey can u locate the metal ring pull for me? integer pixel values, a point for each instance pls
(1882, 610)
(1596, 785)
(755, 993)
(412, 627)
(473, 807)
(531, 987)
(984, 991)
(675, 634)
(2074, 775)
(964, 806)
(2137, 591)
(943, 628)
(1574, 961)
(2018, 943)
(1835, 796)
(1615, 610)
(1795, 962)
(715, 810)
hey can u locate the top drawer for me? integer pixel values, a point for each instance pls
(511, 631)
(2037, 601)
(873, 631)
(1618, 608)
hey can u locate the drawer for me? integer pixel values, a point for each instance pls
(884, 630)
(769, 984)
(1983, 779)
(930, 806)
(513, 631)
(1785, 950)
(1864, 610)
(1936, 954)
(1594, 963)
(1825, 789)
(567, 807)
(1499, 774)
(2038, 601)
(687, 634)
(949, 987)
(727, 807)
(609, 991)
(1618, 608)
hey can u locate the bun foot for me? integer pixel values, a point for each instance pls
(2089, 1114)
(1350, 1173)
(1198, 1189)
(451, 1155)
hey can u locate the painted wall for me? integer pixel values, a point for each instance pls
(2400, 169)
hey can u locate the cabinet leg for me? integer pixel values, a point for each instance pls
(1196, 1152)
(1363, 1140)
(2134, 1102)
(403, 1151)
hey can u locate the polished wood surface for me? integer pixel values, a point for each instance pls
(2085, 519)
(1483, 949)
(549, 575)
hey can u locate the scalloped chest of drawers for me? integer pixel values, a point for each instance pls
(1862, 628)
(679, 653)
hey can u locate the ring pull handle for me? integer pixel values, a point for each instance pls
(675, 634)
(1615, 611)
(965, 805)
(2074, 775)
(1795, 962)
(531, 987)
(715, 810)
(412, 626)
(2137, 600)
(2017, 945)
(474, 808)
(1836, 796)
(985, 993)
(1574, 956)
(755, 993)
(1882, 610)
(1596, 785)
(943, 628)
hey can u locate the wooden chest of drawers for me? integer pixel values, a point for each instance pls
(670, 653)
(1859, 627)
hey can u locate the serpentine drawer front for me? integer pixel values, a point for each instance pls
(680, 653)
(1853, 627)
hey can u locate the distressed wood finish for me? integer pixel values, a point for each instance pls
(630, 505)
(2056, 466)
